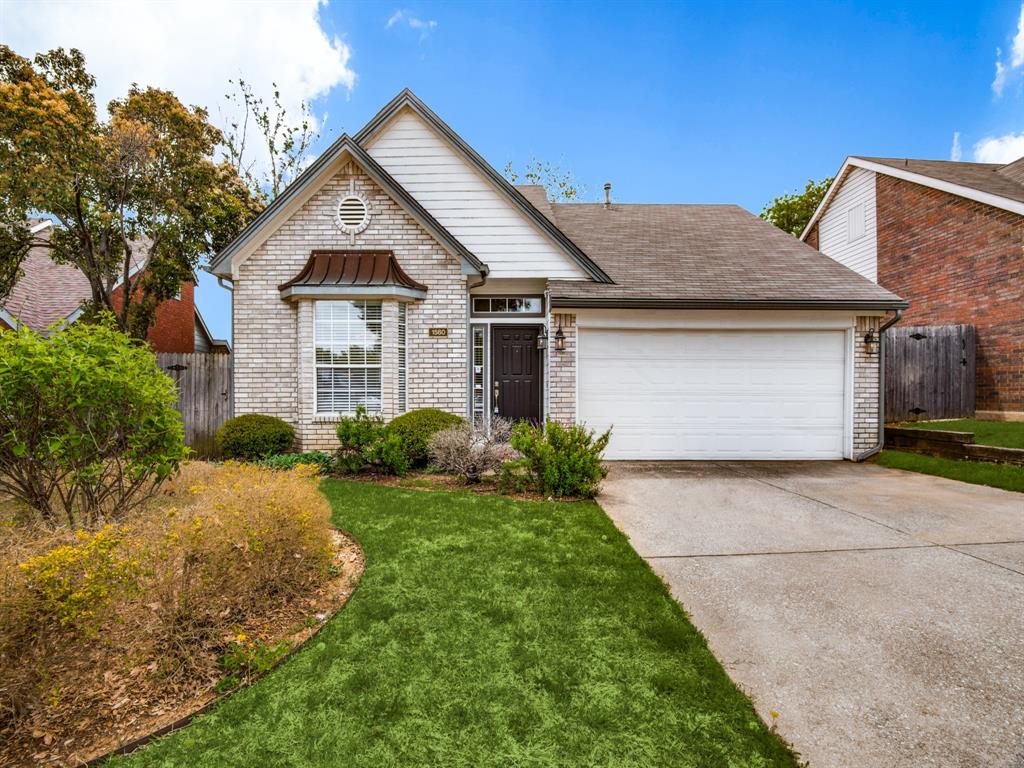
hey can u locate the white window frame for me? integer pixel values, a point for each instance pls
(319, 327)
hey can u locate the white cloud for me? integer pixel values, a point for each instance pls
(999, 82)
(999, 149)
(1005, 69)
(192, 47)
(1017, 51)
(955, 152)
(423, 26)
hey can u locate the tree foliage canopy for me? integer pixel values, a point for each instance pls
(138, 198)
(791, 212)
(560, 185)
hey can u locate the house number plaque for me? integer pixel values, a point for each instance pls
(437, 333)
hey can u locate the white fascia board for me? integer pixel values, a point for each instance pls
(996, 201)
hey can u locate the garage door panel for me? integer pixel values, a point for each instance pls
(715, 394)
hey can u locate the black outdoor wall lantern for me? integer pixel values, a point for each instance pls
(542, 338)
(871, 343)
(560, 338)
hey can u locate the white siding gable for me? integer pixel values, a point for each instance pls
(466, 203)
(846, 231)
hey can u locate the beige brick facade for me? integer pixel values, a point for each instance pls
(562, 371)
(865, 387)
(273, 339)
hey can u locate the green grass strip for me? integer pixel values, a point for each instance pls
(1005, 434)
(487, 632)
(1006, 476)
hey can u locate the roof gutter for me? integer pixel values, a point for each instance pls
(881, 388)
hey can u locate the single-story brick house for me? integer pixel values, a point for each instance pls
(49, 293)
(402, 271)
(948, 237)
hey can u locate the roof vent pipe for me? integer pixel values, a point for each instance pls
(607, 194)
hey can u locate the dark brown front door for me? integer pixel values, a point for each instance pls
(515, 372)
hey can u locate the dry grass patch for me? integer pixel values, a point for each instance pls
(106, 635)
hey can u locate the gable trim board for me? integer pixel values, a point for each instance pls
(996, 201)
(304, 187)
(408, 100)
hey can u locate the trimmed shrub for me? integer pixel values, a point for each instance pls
(366, 444)
(471, 451)
(254, 436)
(563, 461)
(323, 462)
(88, 428)
(415, 429)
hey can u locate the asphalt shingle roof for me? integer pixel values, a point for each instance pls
(985, 177)
(701, 255)
(48, 291)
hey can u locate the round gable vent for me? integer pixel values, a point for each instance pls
(353, 214)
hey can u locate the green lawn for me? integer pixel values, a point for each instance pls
(487, 632)
(1007, 434)
(1006, 476)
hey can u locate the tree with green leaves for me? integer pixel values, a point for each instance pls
(138, 198)
(559, 184)
(791, 212)
(285, 139)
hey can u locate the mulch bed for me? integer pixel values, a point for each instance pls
(433, 481)
(129, 701)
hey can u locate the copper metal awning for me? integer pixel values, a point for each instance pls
(375, 274)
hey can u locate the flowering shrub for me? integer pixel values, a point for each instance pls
(221, 546)
(74, 583)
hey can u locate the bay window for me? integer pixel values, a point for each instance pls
(347, 339)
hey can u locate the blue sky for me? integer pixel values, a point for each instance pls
(680, 102)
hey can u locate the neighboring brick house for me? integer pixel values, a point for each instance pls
(948, 237)
(401, 271)
(49, 293)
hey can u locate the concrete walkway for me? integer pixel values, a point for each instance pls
(879, 612)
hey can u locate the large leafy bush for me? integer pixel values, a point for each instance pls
(88, 427)
(366, 444)
(563, 461)
(415, 429)
(254, 436)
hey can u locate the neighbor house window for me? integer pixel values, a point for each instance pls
(347, 337)
(402, 386)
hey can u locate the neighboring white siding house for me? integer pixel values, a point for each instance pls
(465, 203)
(846, 231)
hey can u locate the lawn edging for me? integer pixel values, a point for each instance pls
(182, 722)
(950, 445)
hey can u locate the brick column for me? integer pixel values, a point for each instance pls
(562, 374)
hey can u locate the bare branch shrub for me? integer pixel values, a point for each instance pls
(471, 451)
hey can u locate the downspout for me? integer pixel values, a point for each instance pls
(881, 388)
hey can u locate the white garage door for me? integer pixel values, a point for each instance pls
(672, 394)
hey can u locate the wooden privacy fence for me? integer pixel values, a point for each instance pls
(929, 372)
(204, 394)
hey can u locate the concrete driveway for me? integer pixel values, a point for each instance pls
(879, 612)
